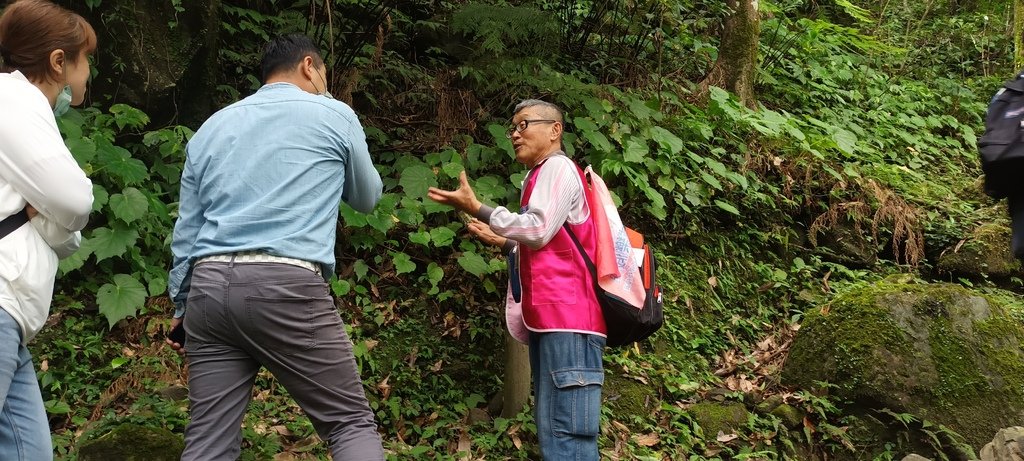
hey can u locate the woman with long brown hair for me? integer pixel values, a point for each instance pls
(45, 198)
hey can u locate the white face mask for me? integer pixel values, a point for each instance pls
(324, 93)
(64, 98)
(63, 102)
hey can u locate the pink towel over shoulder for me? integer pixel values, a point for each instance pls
(618, 271)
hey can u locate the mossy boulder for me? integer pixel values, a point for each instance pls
(130, 442)
(986, 253)
(938, 351)
(790, 416)
(628, 397)
(715, 417)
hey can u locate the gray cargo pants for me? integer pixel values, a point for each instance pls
(241, 316)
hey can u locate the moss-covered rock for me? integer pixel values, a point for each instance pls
(790, 416)
(626, 396)
(715, 417)
(130, 442)
(938, 351)
(986, 253)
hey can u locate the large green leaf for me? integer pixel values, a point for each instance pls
(416, 180)
(125, 115)
(474, 263)
(156, 281)
(420, 237)
(442, 236)
(100, 197)
(403, 263)
(434, 273)
(76, 260)
(352, 217)
(598, 141)
(121, 299)
(82, 149)
(491, 189)
(635, 150)
(129, 205)
(845, 140)
(381, 220)
(106, 243)
(118, 162)
(666, 139)
(452, 169)
(360, 269)
(727, 207)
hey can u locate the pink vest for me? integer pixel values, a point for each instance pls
(558, 290)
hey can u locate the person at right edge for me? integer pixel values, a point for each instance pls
(551, 306)
(1015, 204)
(253, 246)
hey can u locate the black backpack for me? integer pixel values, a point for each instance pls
(1002, 145)
(625, 323)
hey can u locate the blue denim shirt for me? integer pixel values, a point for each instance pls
(267, 174)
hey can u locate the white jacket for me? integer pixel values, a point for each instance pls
(35, 168)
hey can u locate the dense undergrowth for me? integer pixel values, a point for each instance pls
(867, 122)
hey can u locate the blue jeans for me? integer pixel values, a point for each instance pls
(567, 379)
(24, 429)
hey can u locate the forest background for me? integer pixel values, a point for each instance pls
(752, 142)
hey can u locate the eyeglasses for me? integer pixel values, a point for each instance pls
(523, 125)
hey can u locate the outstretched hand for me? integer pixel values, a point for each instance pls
(463, 198)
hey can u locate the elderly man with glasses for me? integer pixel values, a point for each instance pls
(551, 305)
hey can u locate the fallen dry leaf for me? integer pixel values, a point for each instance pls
(647, 440)
(384, 388)
(465, 445)
(282, 431)
(726, 438)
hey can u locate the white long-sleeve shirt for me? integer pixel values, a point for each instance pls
(557, 197)
(36, 168)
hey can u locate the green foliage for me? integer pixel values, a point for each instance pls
(124, 253)
(855, 99)
(502, 29)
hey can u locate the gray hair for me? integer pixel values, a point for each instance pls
(527, 103)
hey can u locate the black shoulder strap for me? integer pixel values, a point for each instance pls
(586, 181)
(13, 222)
(579, 246)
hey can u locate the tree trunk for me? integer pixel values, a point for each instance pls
(736, 67)
(1018, 34)
(158, 58)
(516, 393)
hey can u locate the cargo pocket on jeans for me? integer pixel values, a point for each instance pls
(576, 402)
